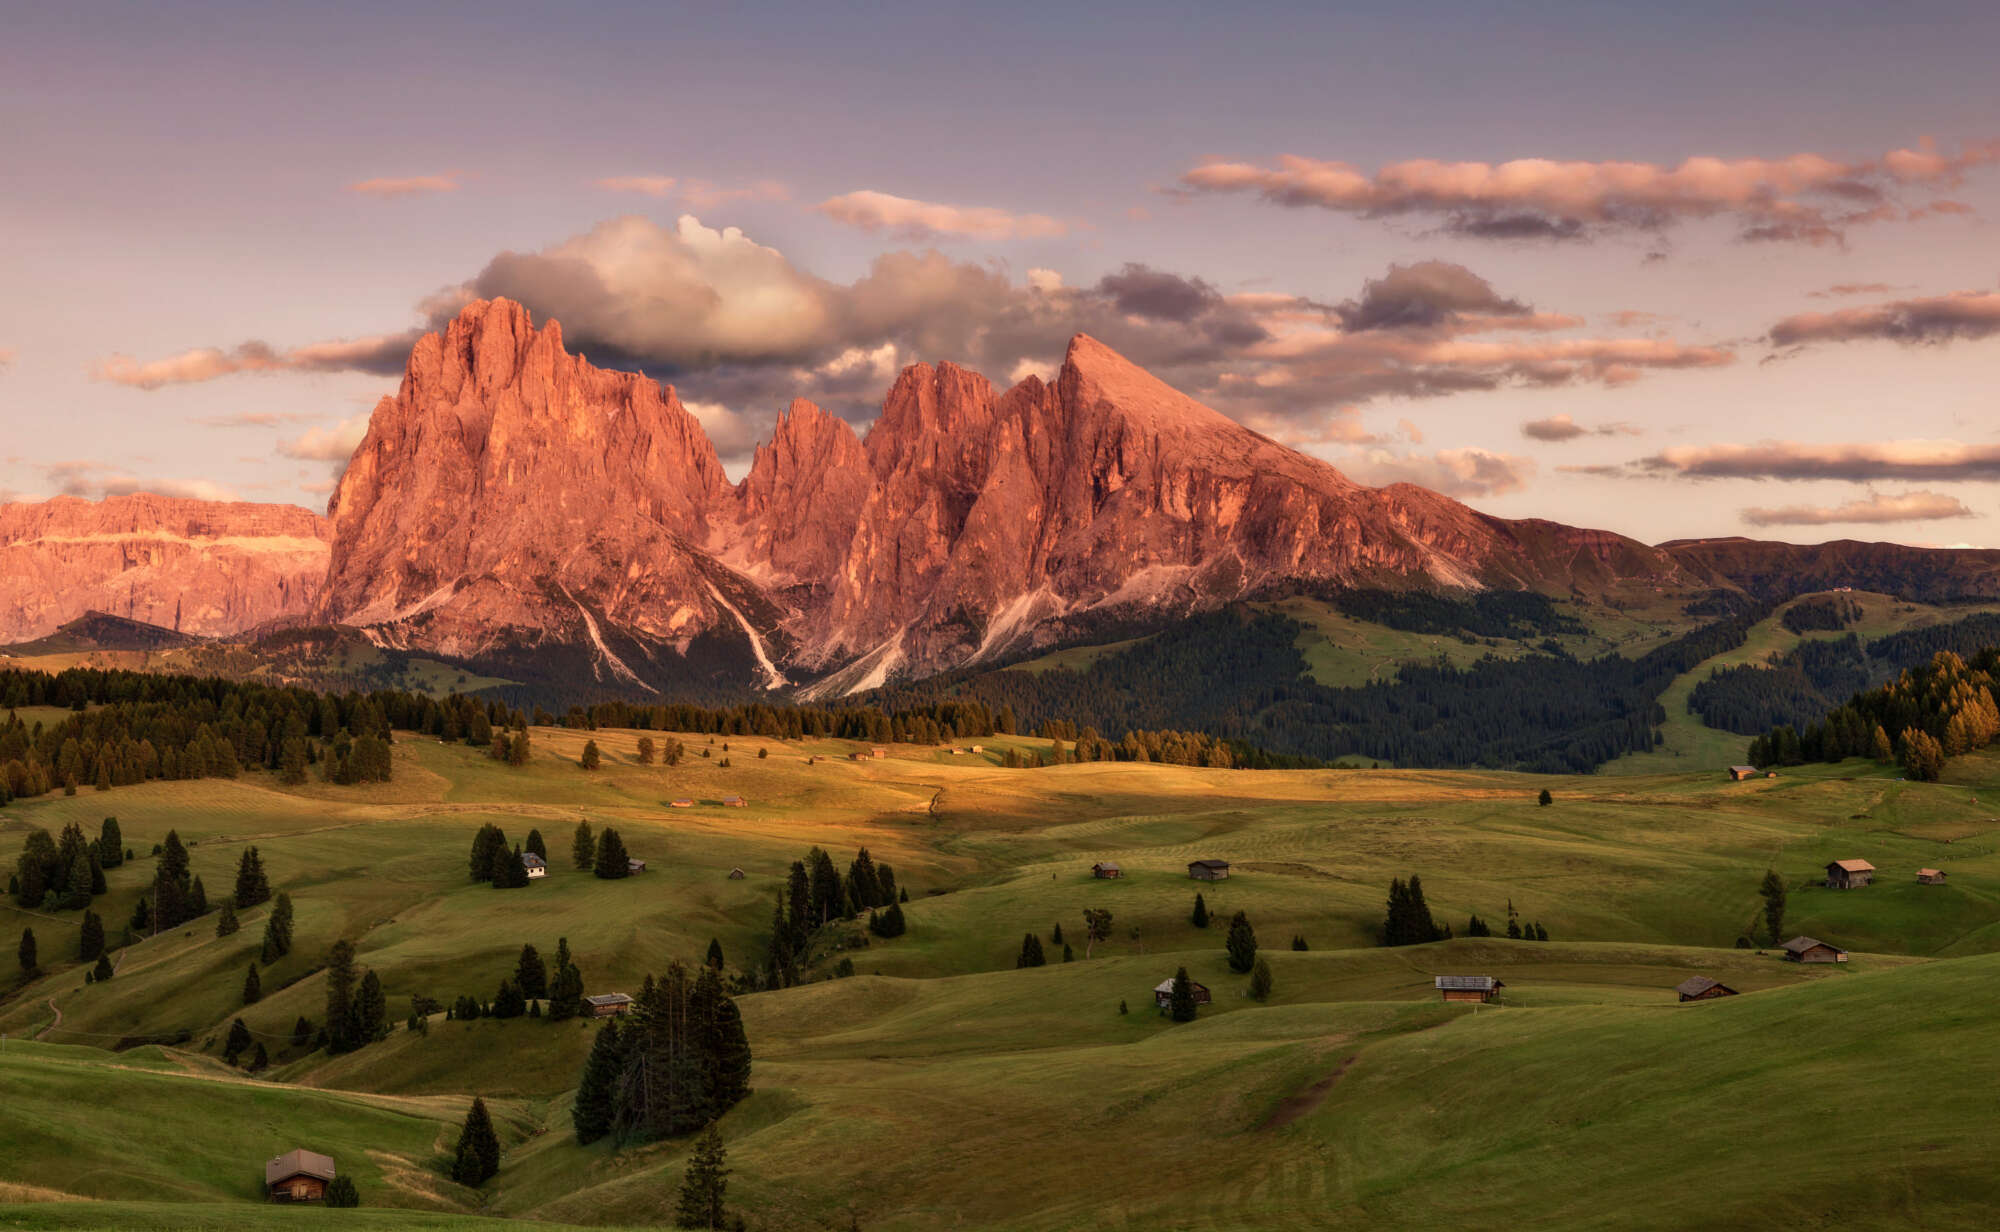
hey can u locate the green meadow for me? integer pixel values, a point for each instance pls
(940, 1087)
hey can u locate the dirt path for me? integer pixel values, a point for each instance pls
(57, 1010)
(1295, 1106)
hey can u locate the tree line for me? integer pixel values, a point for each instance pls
(1924, 716)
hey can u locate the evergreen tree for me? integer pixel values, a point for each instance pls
(702, 1188)
(1409, 921)
(1541, 934)
(566, 990)
(104, 969)
(238, 1043)
(26, 954)
(90, 937)
(1298, 941)
(889, 924)
(1180, 1001)
(278, 930)
(1513, 928)
(1545, 799)
(261, 1061)
(340, 1191)
(509, 871)
(1031, 952)
(518, 750)
(371, 1011)
(1773, 893)
(1069, 955)
(536, 845)
(197, 900)
(489, 853)
(645, 750)
(1200, 918)
(253, 986)
(340, 1021)
(141, 923)
(1055, 934)
(226, 923)
(1260, 981)
(508, 1001)
(530, 976)
(583, 848)
(253, 887)
(477, 1157)
(302, 1031)
(714, 959)
(723, 1044)
(612, 860)
(110, 844)
(591, 759)
(1476, 927)
(1878, 747)
(173, 888)
(590, 1110)
(1242, 944)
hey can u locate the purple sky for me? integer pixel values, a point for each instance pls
(1673, 270)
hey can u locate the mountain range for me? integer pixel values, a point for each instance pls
(512, 504)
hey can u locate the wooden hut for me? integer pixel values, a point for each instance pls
(608, 1005)
(1482, 988)
(1849, 874)
(536, 866)
(736, 874)
(734, 802)
(298, 1176)
(1930, 876)
(1701, 988)
(1105, 870)
(1163, 993)
(1739, 773)
(634, 865)
(1812, 950)
(1208, 870)
(878, 752)
(683, 802)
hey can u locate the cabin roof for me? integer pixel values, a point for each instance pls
(1167, 985)
(1695, 985)
(1105, 864)
(1208, 864)
(1743, 769)
(608, 998)
(532, 860)
(1468, 983)
(1853, 866)
(1799, 945)
(298, 1163)
(1929, 872)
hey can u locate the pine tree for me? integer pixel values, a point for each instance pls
(1055, 934)
(530, 976)
(1242, 944)
(110, 844)
(261, 1061)
(714, 959)
(1031, 952)
(142, 917)
(508, 1001)
(1773, 893)
(566, 990)
(509, 871)
(1541, 934)
(583, 848)
(702, 1188)
(1545, 799)
(1200, 918)
(645, 750)
(1180, 1001)
(1878, 747)
(104, 969)
(340, 1191)
(489, 854)
(340, 997)
(1476, 927)
(889, 924)
(226, 923)
(302, 1031)
(612, 860)
(1513, 928)
(1069, 955)
(197, 900)
(371, 1011)
(238, 1043)
(535, 844)
(590, 1111)
(518, 749)
(1260, 981)
(253, 888)
(1298, 941)
(278, 930)
(172, 886)
(477, 1157)
(591, 759)
(26, 954)
(253, 986)
(90, 937)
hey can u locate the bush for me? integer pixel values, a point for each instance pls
(340, 1191)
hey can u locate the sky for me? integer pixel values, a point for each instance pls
(1671, 270)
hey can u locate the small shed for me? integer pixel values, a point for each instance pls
(857, 755)
(1481, 988)
(1812, 950)
(1849, 874)
(1701, 988)
(298, 1176)
(979, 748)
(536, 866)
(736, 874)
(1163, 993)
(1105, 870)
(878, 752)
(1930, 876)
(733, 802)
(1209, 870)
(1739, 773)
(683, 802)
(608, 1005)
(634, 865)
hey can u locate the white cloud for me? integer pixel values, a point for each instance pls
(877, 211)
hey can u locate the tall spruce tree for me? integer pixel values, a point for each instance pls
(278, 930)
(1200, 917)
(110, 844)
(26, 954)
(535, 844)
(591, 1108)
(583, 848)
(1242, 944)
(253, 887)
(1180, 998)
(591, 758)
(489, 850)
(238, 1043)
(173, 887)
(253, 986)
(340, 1025)
(1773, 893)
(530, 975)
(713, 961)
(1031, 952)
(90, 937)
(1260, 980)
(371, 1011)
(226, 923)
(477, 1157)
(613, 861)
(700, 1204)
(104, 969)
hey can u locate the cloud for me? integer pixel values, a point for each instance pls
(383, 354)
(1143, 291)
(97, 480)
(1460, 473)
(1424, 295)
(1874, 509)
(328, 442)
(253, 419)
(406, 186)
(1932, 460)
(1803, 197)
(920, 220)
(651, 185)
(1841, 290)
(706, 195)
(1557, 428)
(1965, 315)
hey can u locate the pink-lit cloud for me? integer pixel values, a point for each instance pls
(1963, 316)
(1861, 462)
(406, 186)
(661, 186)
(1802, 197)
(1559, 428)
(1874, 509)
(383, 354)
(1461, 473)
(919, 220)
(93, 480)
(327, 442)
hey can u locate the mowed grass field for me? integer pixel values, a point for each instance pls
(941, 1087)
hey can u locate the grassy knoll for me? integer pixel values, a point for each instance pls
(941, 1087)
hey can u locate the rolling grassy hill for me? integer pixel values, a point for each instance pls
(941, 1087)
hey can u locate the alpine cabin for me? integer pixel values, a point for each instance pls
(608, 1005)
(1812, 950)
(1930, 876)
(1849, 874)
(536, 866)
(1481, 988)
(1739, 773)
(298, 1176)
(1105, 870)
(1163, 993)
(1701, 988)
(1209, 870)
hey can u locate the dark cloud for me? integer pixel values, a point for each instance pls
(1859, 462)
(1514, 226)
(1146, 292)
(1964, 316)
(1558, 428)
(1422, 296)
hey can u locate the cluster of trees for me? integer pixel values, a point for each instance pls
(499, 865)
(1518, 614)
(64, 874)
(1517, 929)
(923, 723)
(1821, 613)
(357, 1013)
(1926, 715)
(1409, 920)
(681, 1062)
(1173, 748)
(532, 984)
(815, 894)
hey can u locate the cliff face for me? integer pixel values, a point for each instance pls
(206, 568)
